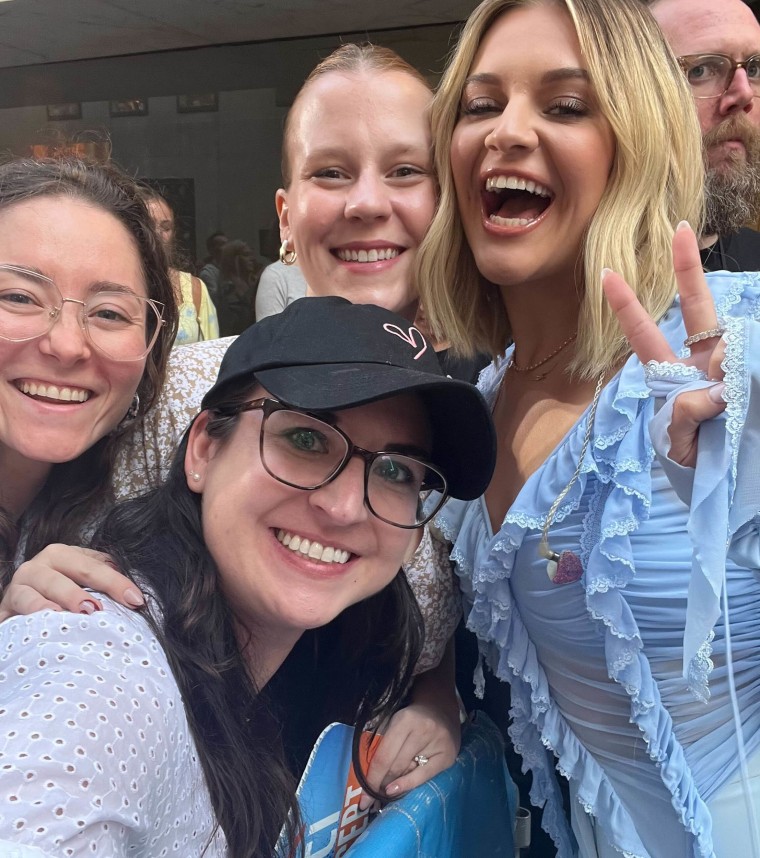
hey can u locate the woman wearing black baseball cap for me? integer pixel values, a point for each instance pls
(293, 499)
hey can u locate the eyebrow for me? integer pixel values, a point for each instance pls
(482, 77)
(28, 271)
(567, 73)
(108, 286)
(94, 289)
(552, 76)
(338, 154)
(414, 450)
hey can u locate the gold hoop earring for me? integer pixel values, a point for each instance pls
(287, 257)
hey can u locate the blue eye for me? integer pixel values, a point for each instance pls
(706, 70)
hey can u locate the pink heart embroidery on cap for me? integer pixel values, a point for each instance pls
(407, 337)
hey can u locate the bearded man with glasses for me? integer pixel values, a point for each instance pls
(717, 43)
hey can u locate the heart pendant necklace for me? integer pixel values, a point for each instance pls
(566, 567)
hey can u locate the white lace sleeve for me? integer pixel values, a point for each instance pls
(431, 577)
(146, 453)
(95, 751)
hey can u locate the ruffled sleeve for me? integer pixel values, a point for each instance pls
(615, 474)
(723, 490)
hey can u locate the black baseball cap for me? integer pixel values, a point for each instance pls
(326, 354)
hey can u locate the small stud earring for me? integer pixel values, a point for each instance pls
(196, 477)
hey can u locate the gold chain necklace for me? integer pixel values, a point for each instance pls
(541, 376)
(566, 567)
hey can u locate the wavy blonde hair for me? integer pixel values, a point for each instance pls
(656, 181)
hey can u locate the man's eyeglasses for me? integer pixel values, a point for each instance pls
(302, 451)
(121, 325)
(710, 75)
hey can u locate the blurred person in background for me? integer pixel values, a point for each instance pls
(238, 279)
(209, 273)
(197, 314)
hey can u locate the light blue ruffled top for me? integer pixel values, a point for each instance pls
(600, 675)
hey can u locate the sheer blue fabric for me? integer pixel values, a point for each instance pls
(604, 686)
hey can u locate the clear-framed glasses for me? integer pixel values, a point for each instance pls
(301, 450)
(710, 75)
(118, 323)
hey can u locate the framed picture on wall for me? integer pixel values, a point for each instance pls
(128, 107)
(202, 103)
(69, 110)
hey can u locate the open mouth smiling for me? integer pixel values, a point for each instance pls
(53, 392)
(374, 254)
(312, 549)
(514, 201)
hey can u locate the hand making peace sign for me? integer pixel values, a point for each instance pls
(691, 407)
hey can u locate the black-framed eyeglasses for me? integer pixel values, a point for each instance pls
(301, 450)
(711, 75)
(120, 324)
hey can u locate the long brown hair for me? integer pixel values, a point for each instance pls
(361, 663)
(75, 490)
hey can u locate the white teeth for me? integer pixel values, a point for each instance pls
(314, 550)
(373, 255)
(509, 221)
(515, 183)
(50, 391)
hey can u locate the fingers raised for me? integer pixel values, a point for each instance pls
(697, 303)
(639, 328)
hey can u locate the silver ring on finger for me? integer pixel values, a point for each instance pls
(709, 334)
(421, 760)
